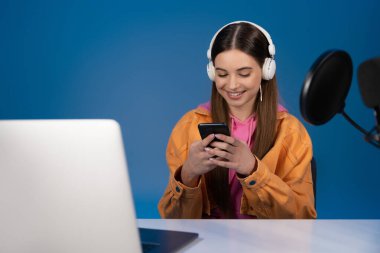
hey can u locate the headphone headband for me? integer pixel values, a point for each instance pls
(271, 47)
(269, 66)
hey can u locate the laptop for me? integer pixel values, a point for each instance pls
(64, 187)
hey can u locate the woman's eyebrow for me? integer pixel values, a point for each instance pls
(239, 69)
(244, 68)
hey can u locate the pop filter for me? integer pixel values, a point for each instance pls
(326, 87)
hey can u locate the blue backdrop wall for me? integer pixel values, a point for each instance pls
(143, 63)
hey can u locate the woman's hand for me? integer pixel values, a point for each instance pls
(235, 153)
(198, 162)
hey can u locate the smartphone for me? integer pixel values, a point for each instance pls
(205, 129)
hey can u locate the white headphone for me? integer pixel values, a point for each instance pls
(269, 66)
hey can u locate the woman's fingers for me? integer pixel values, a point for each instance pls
(222, 146)
(224, 163)
(227, 139)
(220, 153)
(208, 153)
(206, 141)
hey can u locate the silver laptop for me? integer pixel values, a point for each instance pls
(64, 187)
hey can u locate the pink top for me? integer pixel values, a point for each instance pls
(243, 131)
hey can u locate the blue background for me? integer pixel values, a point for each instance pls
(143, 63)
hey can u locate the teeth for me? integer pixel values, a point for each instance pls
(235, 94)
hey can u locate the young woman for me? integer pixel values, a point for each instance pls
(263, 169)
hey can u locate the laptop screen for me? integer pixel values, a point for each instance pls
(64, 187)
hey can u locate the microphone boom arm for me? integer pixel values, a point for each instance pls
(369, 136)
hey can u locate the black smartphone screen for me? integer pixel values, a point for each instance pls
(206, 129)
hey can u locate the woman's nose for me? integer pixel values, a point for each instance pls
(232, 83)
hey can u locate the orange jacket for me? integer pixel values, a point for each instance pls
(281, 187)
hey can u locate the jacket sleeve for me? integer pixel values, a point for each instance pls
(282, 186)
(179, 200)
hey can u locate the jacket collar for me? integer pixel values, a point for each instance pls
(202, 111)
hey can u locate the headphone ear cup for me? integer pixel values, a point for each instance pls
(269, 68)
(211, 71)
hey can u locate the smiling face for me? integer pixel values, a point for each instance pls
(238, 79)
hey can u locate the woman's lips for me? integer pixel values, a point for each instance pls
(235, 95)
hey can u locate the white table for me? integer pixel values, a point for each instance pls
(338, 236)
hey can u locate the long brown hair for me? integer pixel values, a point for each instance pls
(248, 39)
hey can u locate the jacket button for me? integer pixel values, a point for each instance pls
(252, 182)
(177, 189)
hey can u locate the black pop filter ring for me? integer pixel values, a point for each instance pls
(326, 87)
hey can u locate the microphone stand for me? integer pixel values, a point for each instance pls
(372, 136)
(377, 116)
